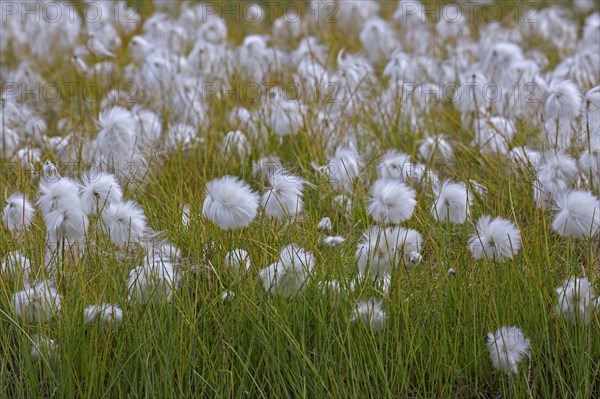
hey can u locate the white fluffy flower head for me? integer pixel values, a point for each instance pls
(110, 315)
(98, 191)
(391, 201)
(125, 221)
(288, 276)
(578, 214)
(284, 198)
(452, 202)
(496, 239)
(507, 347)
(153, 281)
(18, 213)
(237, 259)
(564, 100)
(370, 313)
(230, 203)
(15, 265)
(40, 302)
(381, 250)
(576, 300)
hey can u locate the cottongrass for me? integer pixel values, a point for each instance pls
(507, 348)
(576, 300)
(18, 213)
(263, 289)
(38, 303)
(370, 312)
(289, 275)
(496, 238)
(230, 203)
(578, 214)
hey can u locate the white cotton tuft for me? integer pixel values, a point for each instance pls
(324, 224)
(69, 224)
(237, 260)
(288, 276)
(555, 173)
(333, 241)
(378, 39)
(493, 135)
(507, 347)
(496, 239)
(153, 281)
(370, 313)
(10, 141)
(394, 165)
(235, 142)
(584, 5)
(149, 127)
(42, 347)
(98, 191)
(265, 167)
(14, 266)
(524, 157)
(408, 243)
(40, 302)
(285, 115)
(186, 216)
(589, 161)
(344, 168)
(110, 315)
(391, 201)
(181, 135)
(125, 222)
(578, 214)
(230, 203)
(157, 250)
(452, 202)
(284, 198)
(381, 250)
(576, 300)
(430, 146)
(18, 213)
(115, 144)
(58, 195)
(564, 100)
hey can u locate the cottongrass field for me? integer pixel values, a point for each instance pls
(360, 200)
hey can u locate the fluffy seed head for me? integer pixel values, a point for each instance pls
(284, 198)
(507, 347)
(578, 214)
(430, 146)
(18, 213)
(237, 259)
(564, 100)
(496, 239)
(576, 300)
(154, 281)
(230, 203)
(126, 222)
(370, 313)
(98, 191)
(15, 265)
(39, 302)
(391, 201)
(110, 315)
(288, 276)
(61, 194)
(452, 202)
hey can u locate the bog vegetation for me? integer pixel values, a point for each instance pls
(351, 199)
